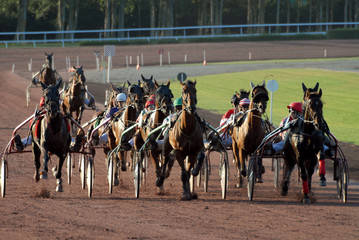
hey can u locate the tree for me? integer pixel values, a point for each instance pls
(61, 15)
(21, 17)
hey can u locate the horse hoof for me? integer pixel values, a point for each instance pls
(194, 196)
(116, 182)
(123, 168)
(284, 191)
(306, 200)
(168, 173)
(244, 173)
(159, 182)
(59, 187)
(322, 181)
(263, 169)
(43, 175)
(186, 197)
(37, 177)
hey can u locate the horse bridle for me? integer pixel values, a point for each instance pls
(164, 98)
(185, 99)
(312, 114)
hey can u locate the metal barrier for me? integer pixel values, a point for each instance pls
(175, 33)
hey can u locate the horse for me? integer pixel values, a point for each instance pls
(74, 100)
(47, 74)
(185, 139)
(148, 86)
(122, 121)
(50, 133)
(114, 92)
(304, 141)
(248, 134)
(164, 107)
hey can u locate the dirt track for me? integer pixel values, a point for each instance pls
(72, 215)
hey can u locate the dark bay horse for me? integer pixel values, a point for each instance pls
(50, 134)
(74, 100)
(47, 74)
(153, 120)
(249, 134)
(185, 139)
(123, 120)
(304, 141)
(148, 86)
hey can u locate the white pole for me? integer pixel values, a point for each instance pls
(138, 60)
(325, 53)
(185, 58)
(127, 61)
(97, 63)
(13, 68)
(204, 55)
(141, 59)
(108, 68)
(161, 59)
(250, 56)
(78, 61)
(271, 106)
(130, 60)
(169, 58)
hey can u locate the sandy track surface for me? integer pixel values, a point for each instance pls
(29, 213)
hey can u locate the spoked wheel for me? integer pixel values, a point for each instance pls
(251, 176)
(90, 174)
(345, 181)
(276, 166)
(206, 173)
(110, 174)
(3, 177)
(144, 169)
(83, 171)
(137, 174)
(223, 172)
(70, 158)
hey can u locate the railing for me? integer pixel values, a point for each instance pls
(176, 33)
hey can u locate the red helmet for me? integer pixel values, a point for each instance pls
(297, 106)
(150, 102)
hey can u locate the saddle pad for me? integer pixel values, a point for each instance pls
(38, 126)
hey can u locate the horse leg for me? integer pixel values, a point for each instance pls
(260, 170)
(57, 171)
(310, 169)
(198, 165)
(288, 168)
(167, 158)
(36, 153)
(304, 177)
(185, 175)
(236, 157)
(79, 113)
(43, 173)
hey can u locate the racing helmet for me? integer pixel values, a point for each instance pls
(121, 97)
(244, 101)
(177, 102)
(297, 106)
(150, 102)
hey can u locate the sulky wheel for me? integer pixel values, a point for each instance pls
(345, 181)
(206, 172)
(251, 177)
(70, 159)
(276, 163)
(90, 175)
(110, 174)
(137, 174)
(83, 170)
(223, 169)
(3, 177)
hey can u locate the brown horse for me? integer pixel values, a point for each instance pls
(249, 134)
(123, 120)
(304, 141)
(148, 86)
(47, 74)
(74, 99)
(50, 134)
(185, 139)
(153, 120)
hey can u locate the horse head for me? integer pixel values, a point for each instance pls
(242, 94)
(164, 97)
(52, 99)
(79, 75)
(259, 97)
(189, 95)
(313, 107)
(135, 96)
(148, 85)
(315, 89)
(48, 60)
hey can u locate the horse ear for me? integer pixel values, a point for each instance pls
(74, 67)
(51, 54)
(143, 78)
(316, 87)
(264, 83)
(43, 85)
(252, 85)
(58, 84)
(156, 84)
(195, 82)
(168, 82)
(139, 82)
(304, 88)
(112, 87)
(45, 54)
(128, 82)
(320, 93)
(124, 85)
(151, 77)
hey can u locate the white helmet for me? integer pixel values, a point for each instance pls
(121, 97)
